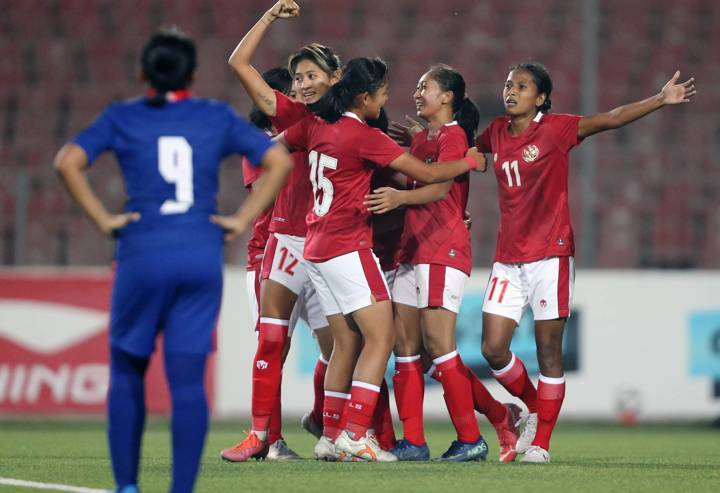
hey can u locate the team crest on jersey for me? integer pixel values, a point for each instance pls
(530, 153)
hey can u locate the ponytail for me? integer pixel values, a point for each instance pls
(465, 112)
(360, 75)
(168, 61)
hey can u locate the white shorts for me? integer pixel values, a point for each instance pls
(429, 286)
(348, 282)
(252, 285)
(283, 262)
(309, 309)
(545, 285)
(390, 278)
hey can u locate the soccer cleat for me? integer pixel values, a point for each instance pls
(325, 450)
(528, 423)
(366, 449)
(406, 451)
(536, 455)
(250, 448)
(128, 488)
(507, 433)
(310, 424)
(279, 450)
(463, 452)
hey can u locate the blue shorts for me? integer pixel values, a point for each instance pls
(177, 291)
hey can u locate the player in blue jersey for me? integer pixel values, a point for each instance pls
(169, 250)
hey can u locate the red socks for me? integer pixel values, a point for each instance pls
(267, 370)
(361, 408)
(550, 395)
(333, 409)
(484, 402)
(409, 387)
(452, 374)
(382, 419)
(515, 379)
(275, 431)
(319, 387)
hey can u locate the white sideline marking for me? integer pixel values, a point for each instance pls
(50, 486)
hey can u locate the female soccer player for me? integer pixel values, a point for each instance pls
(284, 277)
(169, 254)
(435, 265)
(342, 149)
(534, 255)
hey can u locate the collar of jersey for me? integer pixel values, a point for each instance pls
(171, 96)
(350, 114)
(454, 122)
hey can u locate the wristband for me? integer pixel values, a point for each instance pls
(472, 164)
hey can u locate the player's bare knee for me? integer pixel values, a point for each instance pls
(497, 356)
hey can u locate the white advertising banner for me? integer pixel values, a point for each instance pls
(640, 345)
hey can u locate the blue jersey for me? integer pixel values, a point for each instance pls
(170, 159)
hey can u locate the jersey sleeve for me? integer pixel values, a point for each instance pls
(565, 129)
(98, 137)
(452, 145)
(287, 112)
(296, 135)
(244, 138)
(250, 173)
(378, 148)
(484, 141)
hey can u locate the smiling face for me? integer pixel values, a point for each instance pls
(430, 98)
(311, 82)
(520, 95)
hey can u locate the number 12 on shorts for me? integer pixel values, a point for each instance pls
(503, 288)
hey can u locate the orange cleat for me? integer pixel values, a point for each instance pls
(507, 433)
(250, 448)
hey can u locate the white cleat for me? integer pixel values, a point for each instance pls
(536, 455)
(325, 450)
(366, 449)
(279, 450)
(528, 424)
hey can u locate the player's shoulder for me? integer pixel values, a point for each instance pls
(452, 131)
(497, 124)
(553, 119)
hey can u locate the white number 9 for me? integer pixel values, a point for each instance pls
(176, 166)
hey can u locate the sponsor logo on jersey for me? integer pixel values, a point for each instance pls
(452, 252)
(530, 153)
(262, 365)
(561, 242)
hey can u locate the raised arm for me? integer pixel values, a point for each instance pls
(435, 173)
(70, 164)
(671, 93)
(259, 91)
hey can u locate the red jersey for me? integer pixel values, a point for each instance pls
(260, 233)
(295, 198)
(532, 175)
(342, 156)
(435, 233)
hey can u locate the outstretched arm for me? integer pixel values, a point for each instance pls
(70, 164)
(435, 172)
(259, 91)
(385, 199)
(671, 93)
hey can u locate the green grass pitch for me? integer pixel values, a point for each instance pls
(585, 457)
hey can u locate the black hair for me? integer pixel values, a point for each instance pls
(464, 110)
(321, 55)
(360, 75)
(279, 79)
(168, 62)
(382, 122)
(542, 80)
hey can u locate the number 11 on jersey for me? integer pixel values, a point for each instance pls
(507, 166)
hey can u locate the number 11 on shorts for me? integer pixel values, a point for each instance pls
(503, 288)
